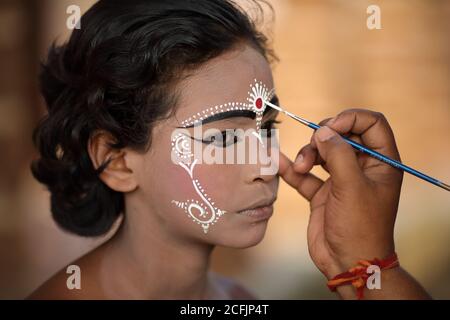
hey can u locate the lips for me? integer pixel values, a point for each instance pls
(260, 211)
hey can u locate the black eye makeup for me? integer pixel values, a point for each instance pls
(222, 139)
(229, 137)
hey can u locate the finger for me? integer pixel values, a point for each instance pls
(306, 159)
(362, 157)
(339, 157)
(324, 121)
(355, 138)
(352, 137)
(305, 184)
(365, 161)
(372, 127)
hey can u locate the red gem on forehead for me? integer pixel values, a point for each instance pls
(259, 103)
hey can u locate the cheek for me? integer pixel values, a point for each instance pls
(162, 180)
(220, 182)
(172, 183)
(178, 183)
(180, 198)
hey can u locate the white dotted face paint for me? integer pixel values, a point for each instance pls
(257, 96)
(204, 212)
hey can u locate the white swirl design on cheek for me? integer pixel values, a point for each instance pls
(207, 214)
(182, 147)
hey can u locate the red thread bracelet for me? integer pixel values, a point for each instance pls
(357, 276)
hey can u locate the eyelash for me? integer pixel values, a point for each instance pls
(224, 142)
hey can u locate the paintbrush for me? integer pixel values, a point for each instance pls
(376, 155)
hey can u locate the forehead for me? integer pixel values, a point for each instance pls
(226, 78)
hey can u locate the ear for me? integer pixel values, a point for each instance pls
(117, 175)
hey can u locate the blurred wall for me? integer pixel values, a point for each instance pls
(329, 61)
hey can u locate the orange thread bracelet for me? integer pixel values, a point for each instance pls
(357, 276)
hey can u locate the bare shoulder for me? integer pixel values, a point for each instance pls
(231, 288)
(61, 285)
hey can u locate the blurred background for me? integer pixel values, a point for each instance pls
(329, 61)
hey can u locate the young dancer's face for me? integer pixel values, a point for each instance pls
(206, 201)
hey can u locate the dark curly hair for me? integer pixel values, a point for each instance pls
(117, 74)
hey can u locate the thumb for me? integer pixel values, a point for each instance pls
(283, 164)
(339, 157)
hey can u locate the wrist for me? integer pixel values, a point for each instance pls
(344, 262)
(362, 272)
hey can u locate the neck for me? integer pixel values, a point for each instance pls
(148, 261)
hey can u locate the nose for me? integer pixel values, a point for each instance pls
(264, 178)
(262, 173)
(266, 167)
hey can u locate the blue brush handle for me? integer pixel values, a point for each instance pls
(389, 161)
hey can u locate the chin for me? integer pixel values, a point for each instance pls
(246, 237)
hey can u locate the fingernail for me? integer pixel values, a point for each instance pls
(325, 133)
(299, 158)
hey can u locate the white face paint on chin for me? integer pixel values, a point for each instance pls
(204, 212)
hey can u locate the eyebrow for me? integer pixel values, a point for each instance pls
(236, 113)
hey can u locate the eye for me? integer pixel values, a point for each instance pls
(269, 125)
(223, 139)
